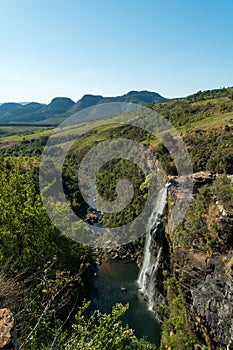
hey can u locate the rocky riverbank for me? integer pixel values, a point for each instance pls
(128, 252)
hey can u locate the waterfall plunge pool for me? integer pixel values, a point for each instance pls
(108, 282)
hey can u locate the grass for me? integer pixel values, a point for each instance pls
(17, 134)
(212, 101)
(215, 121)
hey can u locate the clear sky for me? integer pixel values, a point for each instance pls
(70, 48)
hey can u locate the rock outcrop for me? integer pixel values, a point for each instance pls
(127, 252)
(8, 339)
(207, 285)
(212, 300)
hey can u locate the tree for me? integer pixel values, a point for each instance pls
(104, 332)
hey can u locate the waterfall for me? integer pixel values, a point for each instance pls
(146, 279)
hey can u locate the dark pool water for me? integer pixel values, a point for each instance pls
(108, 282)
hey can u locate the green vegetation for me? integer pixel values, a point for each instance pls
(202, 226)
(213, 106)
(206, 124)
(223, 190)
(36, 254)
(176, 332)
(107, 179)
(104, 332)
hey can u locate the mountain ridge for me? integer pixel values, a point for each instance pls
(62, 107)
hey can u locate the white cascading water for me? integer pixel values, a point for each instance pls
(146, 279)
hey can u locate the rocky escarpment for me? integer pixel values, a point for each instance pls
(212, 300)
(206, 282)
(205, 276)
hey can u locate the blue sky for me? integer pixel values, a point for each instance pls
(70, 47)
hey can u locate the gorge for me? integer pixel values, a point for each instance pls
(186, 285)
(139, 287)
(191, 284)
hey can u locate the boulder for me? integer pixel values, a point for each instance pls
(8, 339)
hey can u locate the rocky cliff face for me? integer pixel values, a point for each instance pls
(207, 287)
(205, 278)
(212, 300)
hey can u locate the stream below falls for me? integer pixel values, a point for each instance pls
(107, 292)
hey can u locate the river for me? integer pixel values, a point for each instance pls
(108, 282)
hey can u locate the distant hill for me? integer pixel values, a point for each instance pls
(140, 97)
(34, 112)
(13, 112)
(57, 106)
(61, 107)
(7, 107)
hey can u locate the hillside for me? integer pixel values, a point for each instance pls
(61, 107)
(205, 121)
